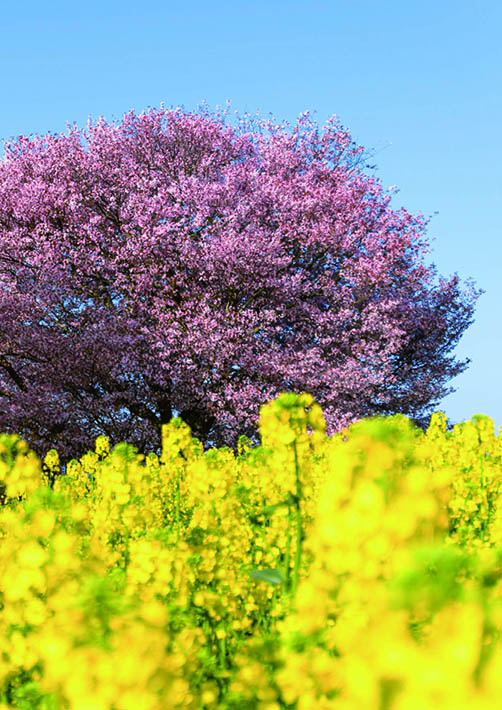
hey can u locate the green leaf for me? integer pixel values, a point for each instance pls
(269, 509)
(290, 500)
(272, 576)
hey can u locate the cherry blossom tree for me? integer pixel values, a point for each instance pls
(174, 264)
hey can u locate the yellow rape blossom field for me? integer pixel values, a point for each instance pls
(360, 571)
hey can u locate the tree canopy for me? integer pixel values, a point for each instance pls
(171, 263)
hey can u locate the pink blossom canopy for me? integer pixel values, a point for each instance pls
(173, 264)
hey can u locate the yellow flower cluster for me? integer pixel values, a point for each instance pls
(357, 571)
(17, 466)
(397, 613)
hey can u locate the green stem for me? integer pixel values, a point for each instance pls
(288, 552)
(177, 504)
(485, 495)
(126, 479)
(299, 531)
(126, 560)
(223, 652)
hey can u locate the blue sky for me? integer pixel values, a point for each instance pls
(419, 83)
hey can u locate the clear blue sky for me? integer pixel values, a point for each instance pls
(418, 82)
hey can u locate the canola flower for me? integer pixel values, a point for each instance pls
(356, 571)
